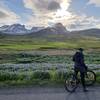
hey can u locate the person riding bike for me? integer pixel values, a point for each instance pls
(79, 66)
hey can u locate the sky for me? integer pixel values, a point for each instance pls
(73, 14)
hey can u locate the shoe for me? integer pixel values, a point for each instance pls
(85, 90)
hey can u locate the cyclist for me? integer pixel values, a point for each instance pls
(79, 66)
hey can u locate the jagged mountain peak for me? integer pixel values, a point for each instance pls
(61, 29)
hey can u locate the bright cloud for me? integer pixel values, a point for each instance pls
(47, 11)
(45, 16)
(98, 26)
(96, 2)
(46, 5)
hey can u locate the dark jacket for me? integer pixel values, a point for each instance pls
(78, 58)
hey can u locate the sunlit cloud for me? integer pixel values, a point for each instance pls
(48, 11)
(61, 13)
(98, 26)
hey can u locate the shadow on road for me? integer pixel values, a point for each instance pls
(92, 94)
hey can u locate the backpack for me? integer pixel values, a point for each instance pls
(77, 57)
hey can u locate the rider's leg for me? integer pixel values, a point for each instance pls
(82, 75)
(75, 74)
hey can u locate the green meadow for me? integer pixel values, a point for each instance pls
(29, 50)
(17, 43)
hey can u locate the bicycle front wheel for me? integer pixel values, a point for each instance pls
(70, 83)
(90, 78)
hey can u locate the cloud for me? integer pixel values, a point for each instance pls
(46, 11)
(83, 22)
(95, 2)
(2, 14)
(98, 26)
(29, 4)
(44, 5)
(53, 5)
(6, 15)
(49, 12)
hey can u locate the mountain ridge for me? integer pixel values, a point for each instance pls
(57, 29)
(18, 29)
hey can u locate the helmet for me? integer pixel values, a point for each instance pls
(80, 49)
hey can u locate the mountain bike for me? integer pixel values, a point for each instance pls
(71, 83)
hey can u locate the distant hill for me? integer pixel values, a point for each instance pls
(89, 32)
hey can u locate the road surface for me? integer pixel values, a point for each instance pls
(48, 93)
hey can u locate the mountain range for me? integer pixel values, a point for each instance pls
(57, 29)
(18, 29)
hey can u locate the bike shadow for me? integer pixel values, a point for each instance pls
(79, 94)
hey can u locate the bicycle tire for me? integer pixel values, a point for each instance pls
(90, 78)
(69, 81)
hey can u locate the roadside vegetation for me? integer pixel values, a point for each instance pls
(38, 73)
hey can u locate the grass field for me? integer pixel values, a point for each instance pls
(23, 52)
(23, 43)
(23, 49)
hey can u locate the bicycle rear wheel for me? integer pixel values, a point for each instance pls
(90, 78)
(70, 83)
